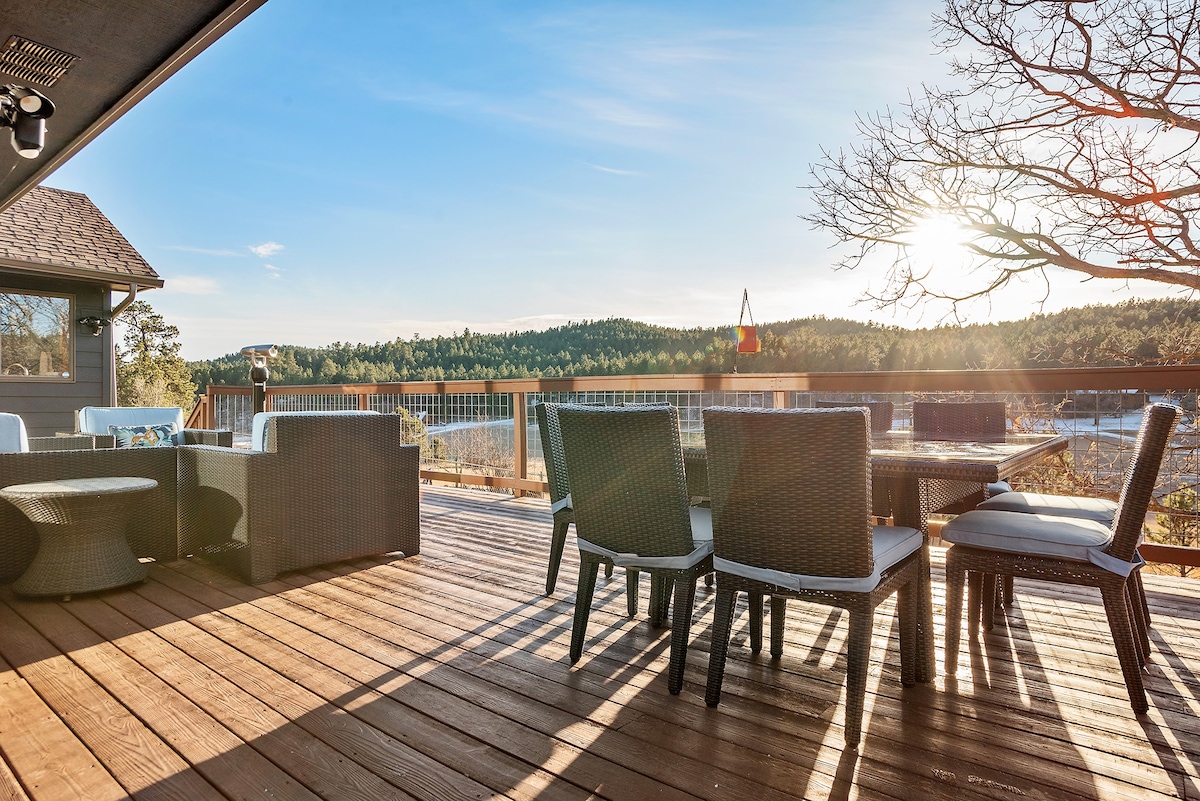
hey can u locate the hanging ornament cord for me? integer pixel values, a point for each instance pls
(741, 321)
(745, 308)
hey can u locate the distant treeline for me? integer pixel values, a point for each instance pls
(1135, 332)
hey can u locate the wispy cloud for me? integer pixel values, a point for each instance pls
(266, 250)
(192, 285)
(273, 271)
(612, 170)
(205, 251)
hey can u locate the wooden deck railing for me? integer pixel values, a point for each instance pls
(447, 404)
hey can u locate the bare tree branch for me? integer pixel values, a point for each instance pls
(1068, 147)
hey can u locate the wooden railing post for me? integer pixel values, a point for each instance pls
(520, 440)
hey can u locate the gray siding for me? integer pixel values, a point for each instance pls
(49, 407)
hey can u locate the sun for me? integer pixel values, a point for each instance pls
(937, 239)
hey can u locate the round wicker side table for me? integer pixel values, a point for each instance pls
(81, 525)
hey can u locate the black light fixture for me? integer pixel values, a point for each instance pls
(95, 325)
(25, 110)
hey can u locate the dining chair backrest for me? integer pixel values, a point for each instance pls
(881, 411)
(980, 421)
(1141, 474)
(627, 481)
(790, 489)
(552, 450)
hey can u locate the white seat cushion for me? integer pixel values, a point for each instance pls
(258, 427)
(1035, 503)
(998, 488)
(890, 544)
(13, 436)
(1037, 535)
(702, 543)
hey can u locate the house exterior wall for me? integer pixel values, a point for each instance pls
(48, 407)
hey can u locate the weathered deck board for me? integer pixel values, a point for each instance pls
(446, 677)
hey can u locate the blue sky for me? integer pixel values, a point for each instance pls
(369, 170)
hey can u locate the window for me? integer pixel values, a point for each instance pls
(35, 336)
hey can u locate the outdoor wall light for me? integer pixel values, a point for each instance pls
(25, 110)
(95, 325)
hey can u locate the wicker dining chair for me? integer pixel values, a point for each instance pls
(560, 497)
(881, 412)
(790, 505)
(1070, 551)
(631, 509)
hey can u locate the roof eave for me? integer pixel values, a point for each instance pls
(218, 27)
(112, 281)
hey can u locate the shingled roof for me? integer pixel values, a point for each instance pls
(51, 231)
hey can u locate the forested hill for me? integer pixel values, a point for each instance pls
(1165, 331)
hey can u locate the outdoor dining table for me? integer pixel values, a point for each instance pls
(922, 477)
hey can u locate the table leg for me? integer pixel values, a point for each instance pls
(909, 509)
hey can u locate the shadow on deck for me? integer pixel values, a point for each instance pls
(446, 677)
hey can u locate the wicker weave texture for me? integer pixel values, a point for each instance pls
(335, 487)
(786, 483)
(627, 478)
(551, 436)
(978, 421)
(881, 411)
(153, 528)
(790, 492)
(1124, 601)
(81, 527)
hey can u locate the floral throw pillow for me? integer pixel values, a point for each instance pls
(159, 436)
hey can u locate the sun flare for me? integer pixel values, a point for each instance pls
(937, 239)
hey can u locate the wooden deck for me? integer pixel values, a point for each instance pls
(446, 677)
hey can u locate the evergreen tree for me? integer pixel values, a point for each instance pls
(150, 371)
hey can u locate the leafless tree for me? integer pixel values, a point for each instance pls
(1067, 143)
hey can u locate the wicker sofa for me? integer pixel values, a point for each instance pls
(325, 487)
(95, 420)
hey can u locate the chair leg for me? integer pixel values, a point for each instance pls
(974, 602)
(1141, 611)
(722, 625)
(1116, 606)
(858, 657)
(557, 540)
(778, 616)
(660, 598)
(907, 609)
(632, 580)
(756, 620)
(681, 629)
(987, 600)
(954, 598)
(708, 579)
(608, 570)
(1140, 591)
(1141, 638)
(589, 567)
(1009, 594)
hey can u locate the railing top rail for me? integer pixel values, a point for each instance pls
(1041, 380)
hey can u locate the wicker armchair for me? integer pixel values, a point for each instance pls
(790, 513)
(153, 528)
(329, 487)
(631, 509)
(1071, 551)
